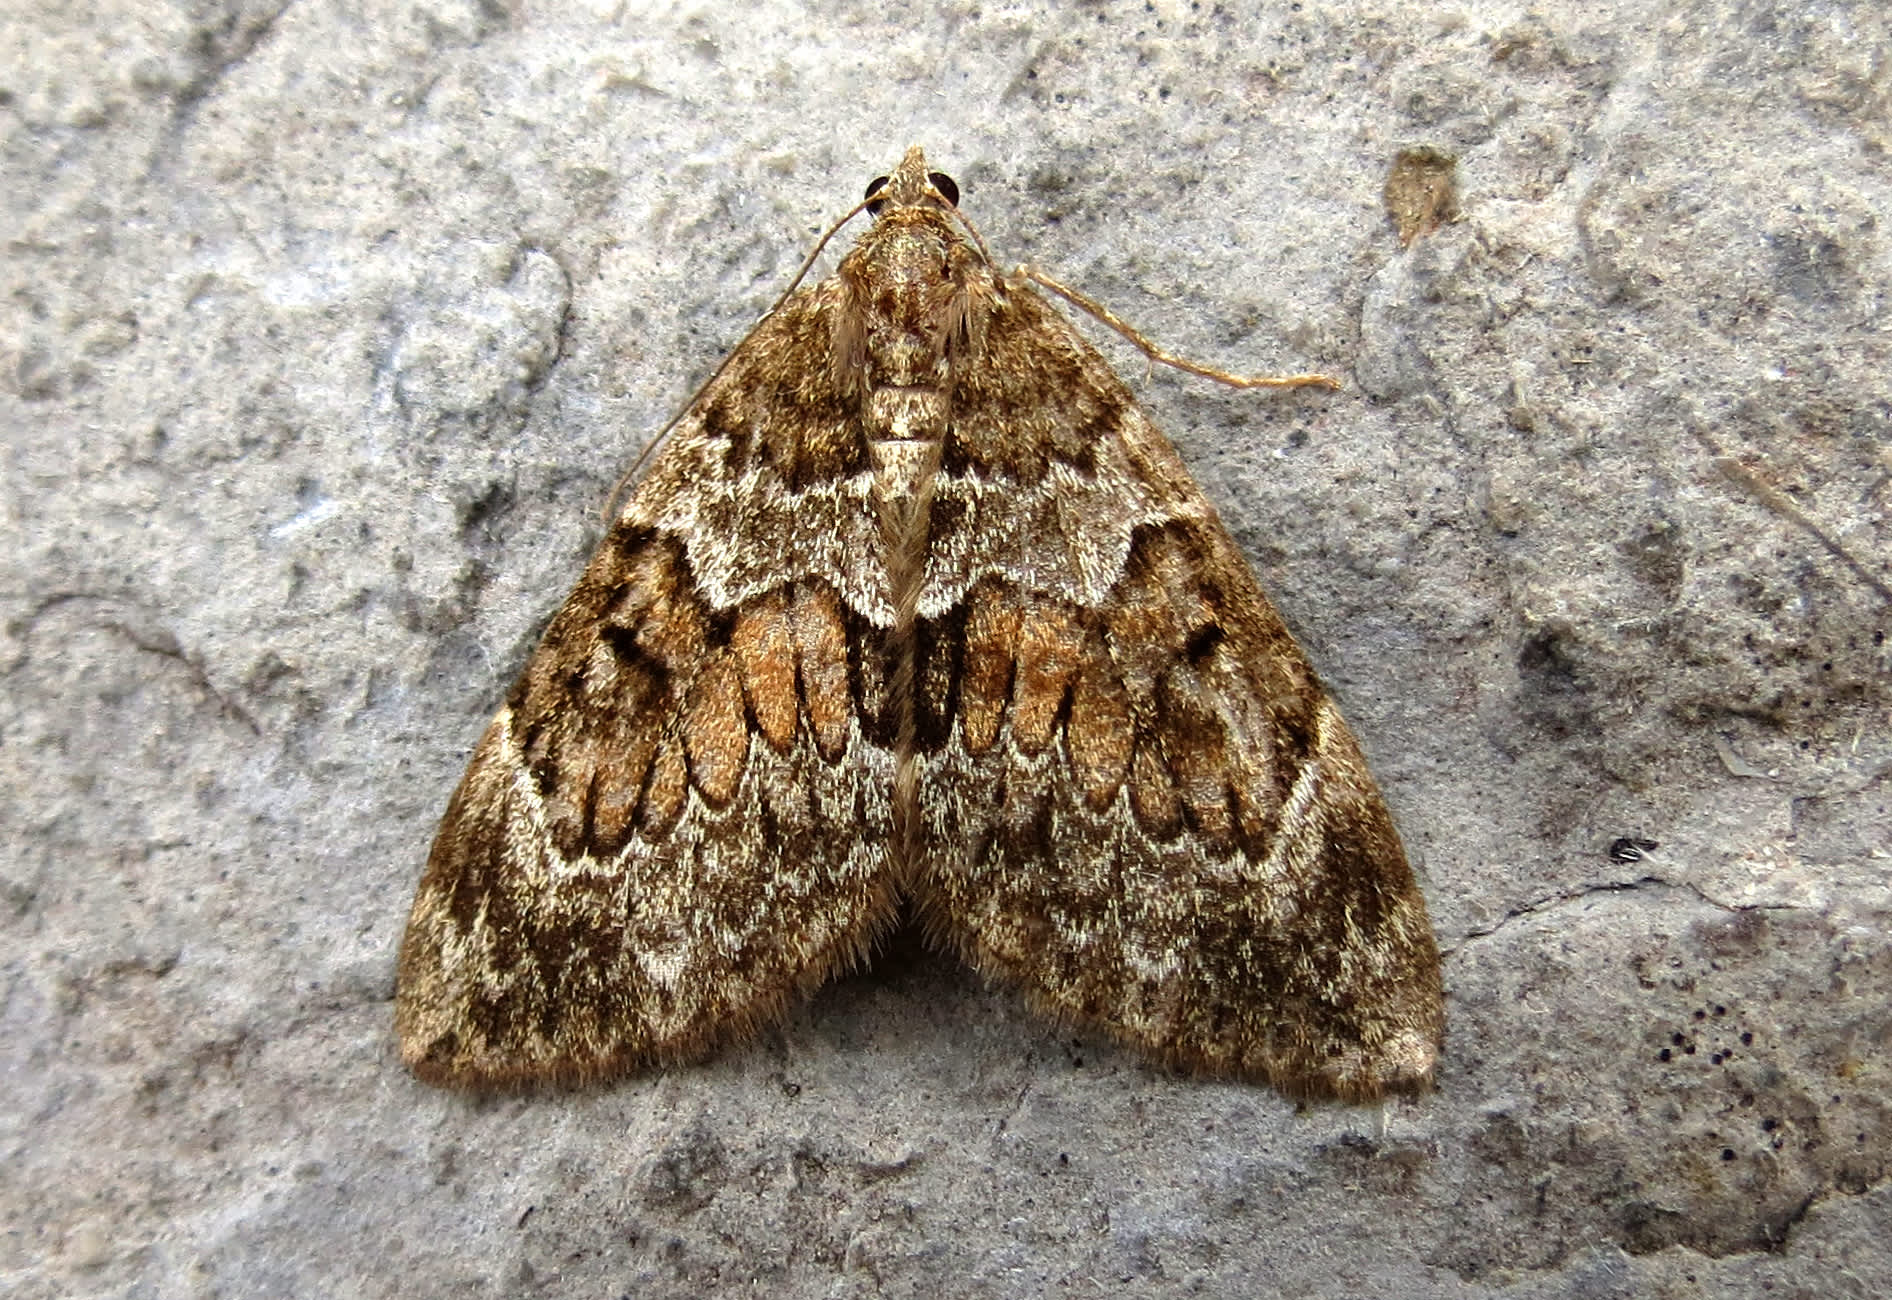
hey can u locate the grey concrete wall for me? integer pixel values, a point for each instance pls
(326, 330)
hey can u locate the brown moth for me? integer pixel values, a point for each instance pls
(915, 608)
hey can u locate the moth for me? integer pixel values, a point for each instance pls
(916, 614)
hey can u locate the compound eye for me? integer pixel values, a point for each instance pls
(948, 188)
(874, 187)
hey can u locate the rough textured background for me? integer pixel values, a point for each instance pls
(327, 328)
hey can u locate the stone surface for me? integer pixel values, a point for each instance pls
(328, 328)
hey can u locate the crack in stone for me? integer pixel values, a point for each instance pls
(1550, 902)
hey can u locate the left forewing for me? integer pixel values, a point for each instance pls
(1140, 802)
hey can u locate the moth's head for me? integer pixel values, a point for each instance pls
(911, 186)
(918, 228)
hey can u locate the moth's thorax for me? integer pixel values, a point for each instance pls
(901, 329)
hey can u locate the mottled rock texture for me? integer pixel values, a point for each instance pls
(327, 329)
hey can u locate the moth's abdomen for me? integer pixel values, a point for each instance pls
(907, 414)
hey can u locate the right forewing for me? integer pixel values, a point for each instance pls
(679, 820)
